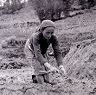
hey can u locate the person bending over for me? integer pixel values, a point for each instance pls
(36, 47)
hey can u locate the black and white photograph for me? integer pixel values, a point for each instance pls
(47, 47)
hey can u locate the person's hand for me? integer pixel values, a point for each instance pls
(51, 68)
(62, 70)
(54, 69)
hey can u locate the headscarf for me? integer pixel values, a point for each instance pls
(46, 23)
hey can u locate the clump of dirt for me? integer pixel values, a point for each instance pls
(66, 40)
(12, 42)
(12, 54)
(81, 59)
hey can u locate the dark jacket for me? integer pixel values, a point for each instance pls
(38, 45)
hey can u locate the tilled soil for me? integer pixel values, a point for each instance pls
(20, 83)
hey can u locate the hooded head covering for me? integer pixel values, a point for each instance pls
(46, 23)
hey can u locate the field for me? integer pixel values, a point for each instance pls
(77, 37)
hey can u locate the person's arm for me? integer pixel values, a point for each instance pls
(58, 55)
(29, 45)
(57, 52)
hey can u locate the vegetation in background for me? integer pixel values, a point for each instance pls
(10, 6)
(52, 9)
(13, 6)
(48, 9)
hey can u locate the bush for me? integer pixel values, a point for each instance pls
(12, 7)
(48, 9)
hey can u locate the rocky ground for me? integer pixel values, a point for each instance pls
(77, 37)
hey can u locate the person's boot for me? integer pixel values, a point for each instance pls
(34, 79)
